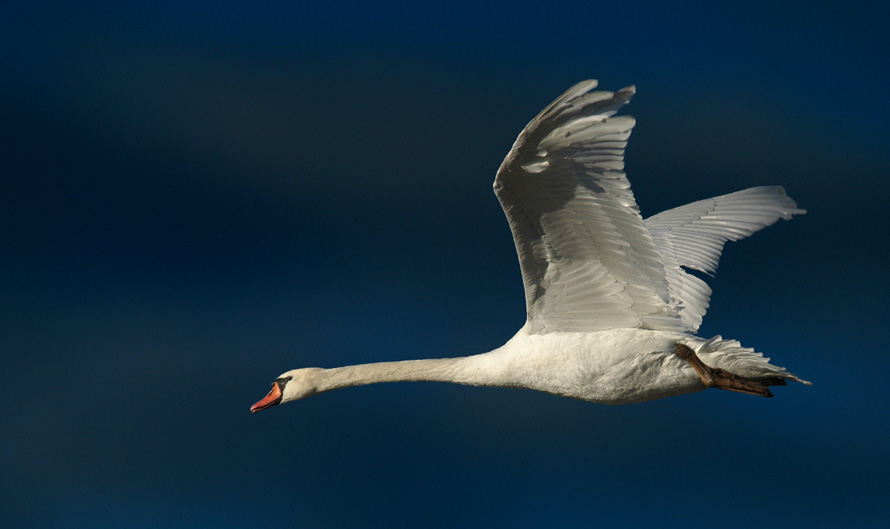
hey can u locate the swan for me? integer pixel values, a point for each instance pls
(612, 310)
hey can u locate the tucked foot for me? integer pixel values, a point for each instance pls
(721, 379)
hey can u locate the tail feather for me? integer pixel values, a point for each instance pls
(744, 361)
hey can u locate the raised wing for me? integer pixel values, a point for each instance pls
(588, 262)
(692, 236)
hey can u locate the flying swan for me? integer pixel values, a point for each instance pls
(611, 310)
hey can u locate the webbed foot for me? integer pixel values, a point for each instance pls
(721, 379)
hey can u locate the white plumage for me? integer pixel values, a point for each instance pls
(607, 294)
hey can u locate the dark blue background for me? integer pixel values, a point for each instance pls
(198, 196)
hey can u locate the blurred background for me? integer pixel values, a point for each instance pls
(198, 196)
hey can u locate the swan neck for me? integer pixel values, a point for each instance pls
(462, 370)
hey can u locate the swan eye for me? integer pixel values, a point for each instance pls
(282, 381)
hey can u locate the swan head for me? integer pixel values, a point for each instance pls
(294, 385)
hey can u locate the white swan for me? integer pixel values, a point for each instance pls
(612, 311)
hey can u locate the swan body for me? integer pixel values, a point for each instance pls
(609, 299)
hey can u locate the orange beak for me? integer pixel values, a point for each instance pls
(273, 398)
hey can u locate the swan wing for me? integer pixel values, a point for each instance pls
(587, 259)
(692, 236)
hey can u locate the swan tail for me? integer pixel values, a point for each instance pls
(744, 361)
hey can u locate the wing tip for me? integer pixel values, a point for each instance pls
(578, 89)
(790, 202)
(587, 85)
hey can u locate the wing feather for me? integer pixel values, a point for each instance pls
(588, 262)
(692, 236)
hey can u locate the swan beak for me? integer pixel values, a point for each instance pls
(273, 398)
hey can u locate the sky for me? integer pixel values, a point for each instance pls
(196, 197)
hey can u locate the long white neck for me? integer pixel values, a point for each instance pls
(475, 370)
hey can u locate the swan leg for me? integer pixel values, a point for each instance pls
(721, 379)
